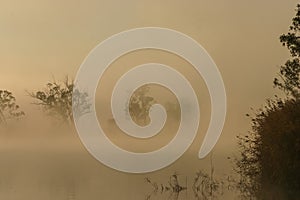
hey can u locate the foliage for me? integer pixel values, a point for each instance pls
(56, 100)
(289, 75)
(270, 154)
(8, 107)
(140, 104)
(248, 165)
(280, 137)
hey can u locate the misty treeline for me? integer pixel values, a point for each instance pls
(56, 99)
(59, 100)
(269, 163)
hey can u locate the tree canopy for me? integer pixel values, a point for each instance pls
(8, 107)
(289, 74)
(57, 97)
(270, 153)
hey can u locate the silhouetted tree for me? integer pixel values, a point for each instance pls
(279, 130)
(8, 107)
(270, 153)
(56, 100)
(140, 104)
(248, 165)
(289, 75)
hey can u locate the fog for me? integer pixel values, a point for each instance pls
(42, 41)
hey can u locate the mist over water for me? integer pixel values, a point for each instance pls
(41, 159)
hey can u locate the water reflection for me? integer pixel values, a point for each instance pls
(202, 187)
(173, 188)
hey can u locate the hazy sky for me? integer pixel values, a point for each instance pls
(44, 38)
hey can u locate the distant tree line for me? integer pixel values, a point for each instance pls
(55, 99)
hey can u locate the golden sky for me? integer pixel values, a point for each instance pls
(41, 39)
